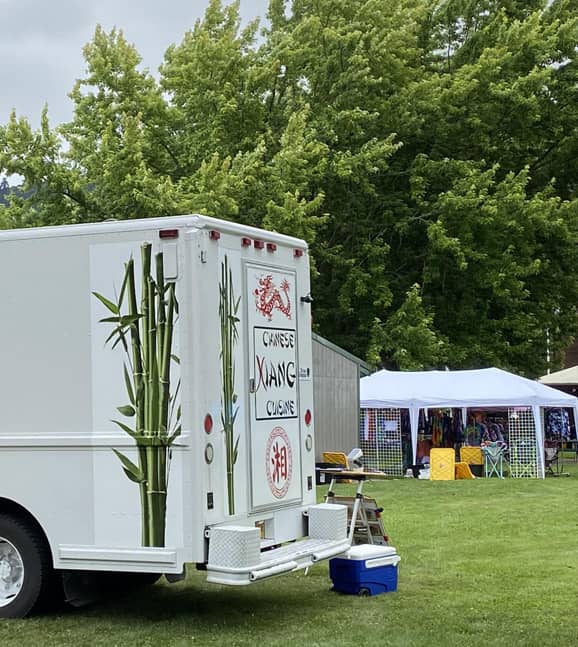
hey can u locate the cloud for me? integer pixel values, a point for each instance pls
(31, 19)
(41, 44)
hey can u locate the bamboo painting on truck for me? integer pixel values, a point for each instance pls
(229, 318)
(145, 335)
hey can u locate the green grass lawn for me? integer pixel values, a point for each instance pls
(484, 562)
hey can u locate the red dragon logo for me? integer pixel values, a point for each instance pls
(268, 297)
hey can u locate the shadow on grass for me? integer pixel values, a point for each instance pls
(196, 603)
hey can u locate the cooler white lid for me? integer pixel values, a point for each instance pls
(368, 551)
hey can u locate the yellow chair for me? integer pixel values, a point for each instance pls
(463, 471)
(471, 455)
(339, 459)
(336, 458)
(474, 458)
(442, 464)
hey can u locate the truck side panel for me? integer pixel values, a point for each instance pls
(62, 387)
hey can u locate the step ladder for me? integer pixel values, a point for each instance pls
(363, 513)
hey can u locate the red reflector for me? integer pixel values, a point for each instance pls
(246, 242)
(214, 235)
(271, 247)
(308, 417)
(208, 423)
(169, 233)
(298, 253)
(259, 244)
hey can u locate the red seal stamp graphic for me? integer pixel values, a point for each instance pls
(279, 462)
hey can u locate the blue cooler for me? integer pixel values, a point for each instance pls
(365, 570)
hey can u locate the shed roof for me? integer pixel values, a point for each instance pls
(364, 368)
(565, 376)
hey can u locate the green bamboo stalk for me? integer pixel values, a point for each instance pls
(163, 377)
(165, 363)
(149, 334)
(136, 348)
(146, 266)
(152, 493)
(228, 315)
(153, 362)
(138, 393)
(161, 333)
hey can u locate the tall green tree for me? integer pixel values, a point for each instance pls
(409, 337)
(418, 143)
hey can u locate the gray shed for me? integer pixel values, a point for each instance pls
(336, 375)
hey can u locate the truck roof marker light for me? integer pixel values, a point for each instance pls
(168, 233)
(298, 253)
(271, 247)
(245, 242)
(308, 417)
(214, 234)
(208, 423)
(258, 244)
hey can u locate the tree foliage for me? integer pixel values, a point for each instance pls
(426, 150)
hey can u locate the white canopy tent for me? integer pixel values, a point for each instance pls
(476, 389)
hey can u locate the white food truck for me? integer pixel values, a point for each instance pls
(155, 407)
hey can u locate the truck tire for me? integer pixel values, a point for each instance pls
(25, 566)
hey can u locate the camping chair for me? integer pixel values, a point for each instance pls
(493, 459)
(551, 458)
(523, 459)
(554, 459)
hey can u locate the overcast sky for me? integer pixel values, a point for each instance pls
(41, 44)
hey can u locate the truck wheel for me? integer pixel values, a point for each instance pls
(24, 567)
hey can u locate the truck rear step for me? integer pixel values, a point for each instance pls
(235, 555)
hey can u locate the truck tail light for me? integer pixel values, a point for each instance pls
(308, 417)
(208, 424)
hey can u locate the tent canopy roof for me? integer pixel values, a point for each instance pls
(565, 376)
(487, 387)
